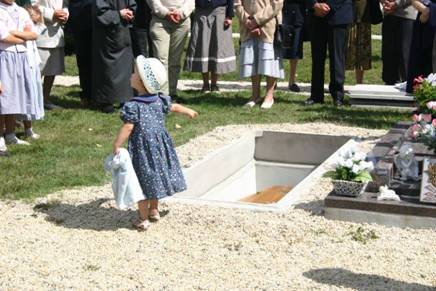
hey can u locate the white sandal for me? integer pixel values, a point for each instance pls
(141, 225)
(154, 217)
(251, 103)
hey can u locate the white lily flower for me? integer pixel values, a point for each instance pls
(367, 165)
(355, 169)
(349, 163)
(359, 156)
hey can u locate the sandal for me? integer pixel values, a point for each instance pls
(141, 225)
(154, 217)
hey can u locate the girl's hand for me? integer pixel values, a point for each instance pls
(227, 22)
(1, 91)
(192, 113)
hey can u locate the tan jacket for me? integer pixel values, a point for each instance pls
(266, 13)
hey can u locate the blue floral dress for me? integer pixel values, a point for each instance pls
(151, 147)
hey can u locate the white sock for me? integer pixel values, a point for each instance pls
(11, 138)
(30, 133)
(3, 147)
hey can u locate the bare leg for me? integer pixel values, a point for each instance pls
(48, 84)
(2, 125)
(3, 148)
(143, 209)
(270, 83)
(10, 124)
(292, 71)
(359, 76)
(154, 206)
(255, 87)
(214, 78)
(206, 86)
(27, 124)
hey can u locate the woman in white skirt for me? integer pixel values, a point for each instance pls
(211, 48)
(258, 20)
(51, 44)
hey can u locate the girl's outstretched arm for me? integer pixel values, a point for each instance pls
(123, 134)
(184, 110)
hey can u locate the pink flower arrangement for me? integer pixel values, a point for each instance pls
(431, 105)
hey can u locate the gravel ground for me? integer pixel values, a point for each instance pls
(76, 239)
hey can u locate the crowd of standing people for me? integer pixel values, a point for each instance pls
(109, 34)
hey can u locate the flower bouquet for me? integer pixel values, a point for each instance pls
(425, 91)
(424, 128)
(352, 172)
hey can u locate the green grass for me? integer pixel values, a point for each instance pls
(75, 141)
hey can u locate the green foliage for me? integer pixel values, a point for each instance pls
(363, 236)
(363, 177)
(429, 141)
(423, 94)
(344, 173)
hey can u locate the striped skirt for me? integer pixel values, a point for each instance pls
(17, 84)
(211, 45)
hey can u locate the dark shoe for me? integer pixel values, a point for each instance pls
(311, 101)
(205, 89)
(107, 108)
(51, 106)
(84, 103)
(338, 102)
(294, 88)
(214, 88)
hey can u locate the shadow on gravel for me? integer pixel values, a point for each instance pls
(315, 207)
(344, 278)
(96, 215)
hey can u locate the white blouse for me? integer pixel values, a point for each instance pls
(12, 17)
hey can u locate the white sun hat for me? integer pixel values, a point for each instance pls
(153, 74)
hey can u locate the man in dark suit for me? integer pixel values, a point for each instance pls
(81, 26)
(329, 29)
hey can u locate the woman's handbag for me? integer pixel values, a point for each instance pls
(284, 36)
(278, 41)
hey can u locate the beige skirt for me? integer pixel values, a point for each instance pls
(52, 61)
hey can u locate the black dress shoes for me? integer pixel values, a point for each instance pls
(338, 102)
(311, 101)
(107, 108)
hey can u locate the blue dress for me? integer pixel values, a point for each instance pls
(151, 147)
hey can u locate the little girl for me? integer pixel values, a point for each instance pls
(34, 63)
(15, 74)
(150, 146)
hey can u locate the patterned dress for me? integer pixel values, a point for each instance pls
(151, 147)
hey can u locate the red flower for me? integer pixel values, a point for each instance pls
(417, 82)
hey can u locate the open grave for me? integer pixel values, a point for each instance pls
(264, 170)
